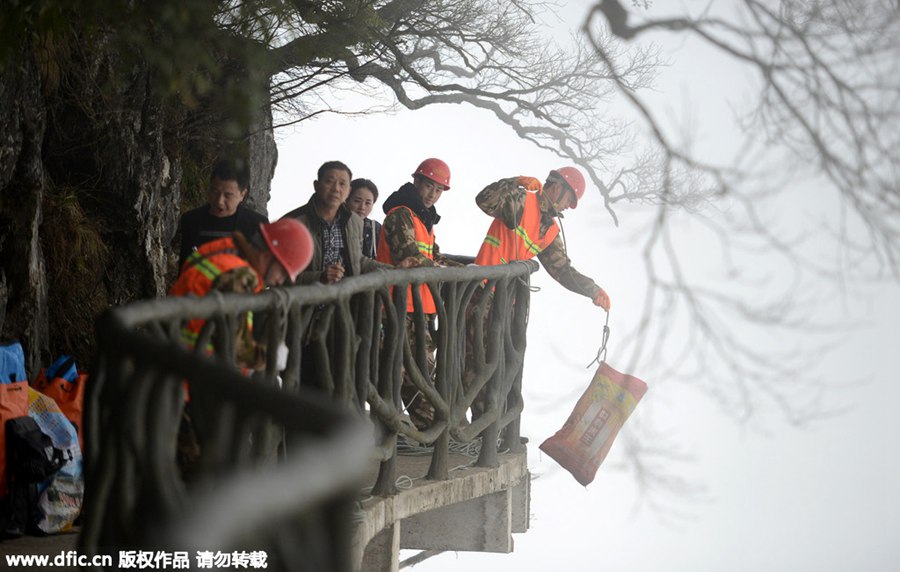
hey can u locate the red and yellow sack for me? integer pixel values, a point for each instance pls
(587, 435)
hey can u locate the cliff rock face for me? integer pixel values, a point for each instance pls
(93, 160)
(263, 155)
(23, 291)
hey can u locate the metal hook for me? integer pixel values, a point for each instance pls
(601, 353)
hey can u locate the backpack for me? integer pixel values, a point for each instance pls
(31, 459)
(32, 456)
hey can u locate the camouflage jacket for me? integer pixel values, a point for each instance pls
(400, 234)
(505, 200)
(249, 352)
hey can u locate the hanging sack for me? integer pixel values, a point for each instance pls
(59, 503)
(62, 383)
(587, 435)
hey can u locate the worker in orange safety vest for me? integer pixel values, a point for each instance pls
(408, 232)
(408, 228)
(524, 226)
(276, 255)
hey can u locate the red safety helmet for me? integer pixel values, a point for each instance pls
(290, 242)
(574, 179)
(436, 170)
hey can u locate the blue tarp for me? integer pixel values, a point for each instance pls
(63, 367)
(12, 363)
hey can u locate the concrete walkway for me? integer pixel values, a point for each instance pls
(50, 545)
(382, 516)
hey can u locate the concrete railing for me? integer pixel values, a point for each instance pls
(281, 457)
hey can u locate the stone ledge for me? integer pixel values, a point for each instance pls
(464, 484)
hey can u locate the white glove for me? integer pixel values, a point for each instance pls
(281, 357)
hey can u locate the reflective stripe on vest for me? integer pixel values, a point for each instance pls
(425, 244)
(502, 244)
(199, 272)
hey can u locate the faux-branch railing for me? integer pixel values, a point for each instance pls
(271, 429)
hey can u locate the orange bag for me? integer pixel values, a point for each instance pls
(68, 395)
(587, 435)
(13, 403)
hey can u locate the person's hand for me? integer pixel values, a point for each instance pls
(281, 357)
(530, 183)
(601, 299)
(408, 262)
(332, 273)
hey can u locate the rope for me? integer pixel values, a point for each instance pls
(601, 353)
(562, 232)
(565, 245)
(471, 449)
(405, 482)
(524, 279)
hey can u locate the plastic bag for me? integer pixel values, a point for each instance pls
(12, 363)
(587, 435)
(63, 384)
(60, 499)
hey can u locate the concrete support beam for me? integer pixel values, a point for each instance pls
(464, 485)
(383, 552)
(521, 505)
(482, 524)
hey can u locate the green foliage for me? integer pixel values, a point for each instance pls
(193, 50)
(194, 182)
(76, 261)
(25, 21)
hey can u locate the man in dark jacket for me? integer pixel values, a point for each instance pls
(336, 231)
(223, 214)
(337, 252)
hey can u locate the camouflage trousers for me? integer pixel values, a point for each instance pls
(187, 453)
(420, 410)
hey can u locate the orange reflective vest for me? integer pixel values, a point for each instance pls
(503, 244)
(425, 244)
(199, 272)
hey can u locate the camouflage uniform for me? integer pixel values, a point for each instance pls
(504, 200)
(248, 354)
(420, 410)
(400, 235)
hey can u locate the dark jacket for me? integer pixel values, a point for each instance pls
(351, 226)
(399, 232)
(407, 196)
(371, 232)
(198, 227)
